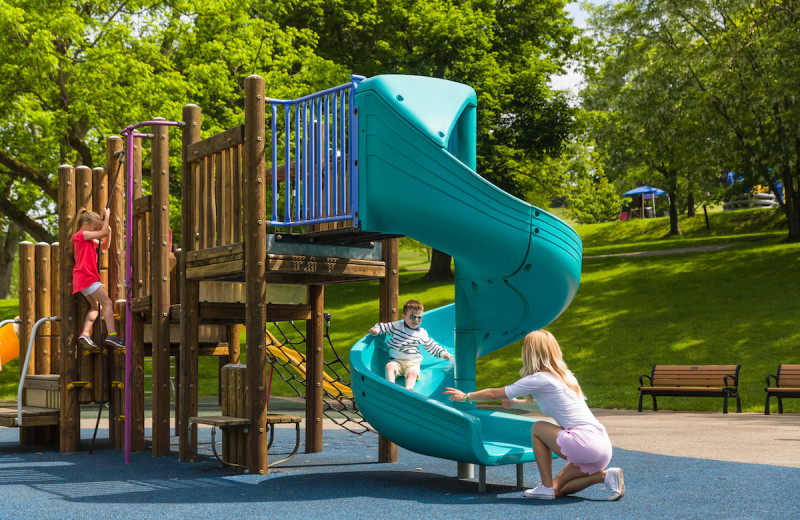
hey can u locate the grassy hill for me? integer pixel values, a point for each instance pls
(733, 305)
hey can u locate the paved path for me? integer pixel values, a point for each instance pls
(676, 251)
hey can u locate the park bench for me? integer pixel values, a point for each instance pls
(692, 381)
(787, 384)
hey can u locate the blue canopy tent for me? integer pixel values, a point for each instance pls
(647, 193)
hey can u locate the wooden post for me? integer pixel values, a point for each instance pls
(159, 289)
(69, 435)
(43, 341)
(43, 286)
(390, 293)
(315, 335)
(27, 301)
(190, 291)
(55, 306)
(27, 314)
(101, 373)
(137, 321)
(255, 253)
(116, 279)
(83, 194)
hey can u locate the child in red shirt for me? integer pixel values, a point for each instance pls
(91, 228)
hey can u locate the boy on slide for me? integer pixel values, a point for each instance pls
(406, 337)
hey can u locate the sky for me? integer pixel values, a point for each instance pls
(572, 80)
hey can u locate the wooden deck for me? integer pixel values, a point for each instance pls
(227, 263)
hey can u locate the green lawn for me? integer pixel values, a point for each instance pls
(737, 305)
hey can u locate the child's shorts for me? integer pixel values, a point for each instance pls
(586, 446)
(91, 289)
(404, 365)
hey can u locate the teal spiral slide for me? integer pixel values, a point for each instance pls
(517, 266)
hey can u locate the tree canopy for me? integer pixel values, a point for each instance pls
(75, 73)
(693, 89)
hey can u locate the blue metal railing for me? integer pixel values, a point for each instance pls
(318, 149)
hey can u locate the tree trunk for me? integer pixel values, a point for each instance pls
(790, 205)
(674, 228)
(690, 204)
(7, 256)
(440, 268)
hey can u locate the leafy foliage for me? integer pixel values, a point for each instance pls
(699, 88)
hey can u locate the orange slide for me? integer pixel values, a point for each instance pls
(9, 344)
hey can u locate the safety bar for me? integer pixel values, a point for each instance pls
(24, 370)
(321, 134)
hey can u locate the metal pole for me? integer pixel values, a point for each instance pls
(24, 370)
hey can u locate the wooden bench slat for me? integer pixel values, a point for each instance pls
(219, 420)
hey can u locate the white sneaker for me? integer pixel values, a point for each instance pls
(614, 483)
(540, 492)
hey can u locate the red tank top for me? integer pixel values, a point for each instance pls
(85, 272)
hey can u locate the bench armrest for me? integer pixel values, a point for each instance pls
(735, 381)
(641, 380)
(772, 377)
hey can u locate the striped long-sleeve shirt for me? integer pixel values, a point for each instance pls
(404, 341)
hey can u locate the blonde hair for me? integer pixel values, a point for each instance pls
(84, 216)
(541, 353)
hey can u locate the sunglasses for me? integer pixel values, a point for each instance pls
(415, 317)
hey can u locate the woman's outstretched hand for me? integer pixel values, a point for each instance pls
(455, 394)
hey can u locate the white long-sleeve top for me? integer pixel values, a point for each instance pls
(554, 399)
(405, 341)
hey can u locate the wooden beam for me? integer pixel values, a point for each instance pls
(69, 434)
(255, 240)
(390, 293)
(315, 330)
(215, 144)
(159, 290)
(190, 292)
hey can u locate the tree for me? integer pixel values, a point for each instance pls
(76, 73)
(589, 196)
(735, 63)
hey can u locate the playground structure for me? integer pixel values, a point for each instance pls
(335, 159)
(191, 305)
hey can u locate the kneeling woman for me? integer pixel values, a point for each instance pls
(578, 437)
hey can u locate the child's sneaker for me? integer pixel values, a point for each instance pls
(540, 492)
(614, 483)
(86, 342)
(114, 341)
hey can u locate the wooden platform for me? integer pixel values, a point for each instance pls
(31, 416)
(325, 266)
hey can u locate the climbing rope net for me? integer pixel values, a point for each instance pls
(286, 350)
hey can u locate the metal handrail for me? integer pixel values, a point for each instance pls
(24, 370)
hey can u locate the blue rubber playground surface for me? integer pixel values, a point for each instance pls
(346, 481)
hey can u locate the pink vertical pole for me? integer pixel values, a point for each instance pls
(128, 276)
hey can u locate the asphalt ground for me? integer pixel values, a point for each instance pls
(676, 465)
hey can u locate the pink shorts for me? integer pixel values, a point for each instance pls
(586, 446)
